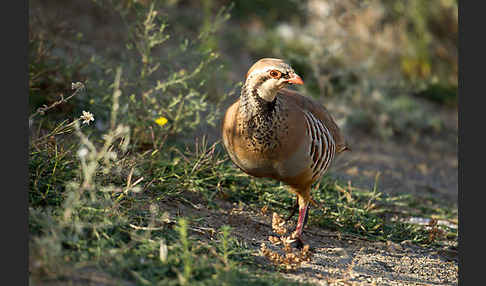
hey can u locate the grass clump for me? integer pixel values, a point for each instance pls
(374, 215)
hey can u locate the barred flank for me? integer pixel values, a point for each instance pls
(322, 147)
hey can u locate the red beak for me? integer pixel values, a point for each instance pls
(295, 79)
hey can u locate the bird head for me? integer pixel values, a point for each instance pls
(269, 75)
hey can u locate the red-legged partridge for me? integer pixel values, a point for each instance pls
(278, 133)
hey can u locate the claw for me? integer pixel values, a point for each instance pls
(297, 243)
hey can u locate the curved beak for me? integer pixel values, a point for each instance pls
(295, 79)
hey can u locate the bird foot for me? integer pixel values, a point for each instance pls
(298, 243)
(295, 242)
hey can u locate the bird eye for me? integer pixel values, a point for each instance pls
(275, 74)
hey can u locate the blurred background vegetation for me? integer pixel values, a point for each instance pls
(372, 61)
(386, 69)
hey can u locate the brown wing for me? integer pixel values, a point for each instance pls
(319, 111)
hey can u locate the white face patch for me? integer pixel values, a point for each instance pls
(268, 89)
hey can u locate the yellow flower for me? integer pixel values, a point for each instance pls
(161, 121)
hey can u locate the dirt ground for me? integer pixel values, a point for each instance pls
(337, 259)
(403, 167)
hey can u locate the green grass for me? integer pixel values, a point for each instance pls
(100, 232)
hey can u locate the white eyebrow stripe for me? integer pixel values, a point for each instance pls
(267, 69)
(262, 70)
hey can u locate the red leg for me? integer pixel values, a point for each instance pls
(303, 199)
(303, 213)
(302, 219)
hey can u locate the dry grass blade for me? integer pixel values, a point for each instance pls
(278, 224)
(264, 210)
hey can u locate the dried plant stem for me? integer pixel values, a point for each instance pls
(41, 110)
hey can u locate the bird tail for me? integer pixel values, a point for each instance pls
(343, 148)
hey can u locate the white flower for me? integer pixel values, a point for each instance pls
(87, 117)
(82, 152)
(76, 85)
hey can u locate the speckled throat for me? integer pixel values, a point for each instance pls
(262, 122)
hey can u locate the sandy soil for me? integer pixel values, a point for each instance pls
(337, 259)
(403, 167)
